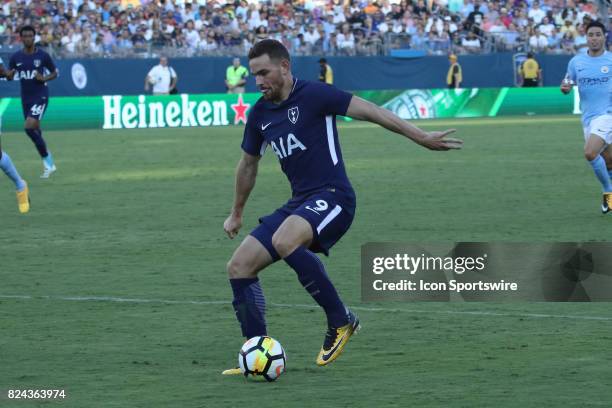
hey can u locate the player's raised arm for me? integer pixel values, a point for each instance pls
(246, 173)
(363, 110)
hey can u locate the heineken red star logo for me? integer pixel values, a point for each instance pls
(240, 108)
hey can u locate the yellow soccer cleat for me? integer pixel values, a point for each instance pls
(232, 371)
(336, 339)
(607, 203)
(23, 200)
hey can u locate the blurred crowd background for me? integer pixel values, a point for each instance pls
(176, 28)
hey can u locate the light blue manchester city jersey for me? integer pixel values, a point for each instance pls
(593, 76)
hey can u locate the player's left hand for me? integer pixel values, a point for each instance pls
(232, 225)
(437, 140)
(39, 77)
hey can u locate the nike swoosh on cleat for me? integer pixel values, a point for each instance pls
(325, 357)
(266, 126)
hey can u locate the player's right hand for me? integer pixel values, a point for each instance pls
(438, 141)
(566, 87)
(232, 225)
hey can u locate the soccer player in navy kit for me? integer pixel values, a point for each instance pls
(297, 120)
(7, 166)
(34, 68)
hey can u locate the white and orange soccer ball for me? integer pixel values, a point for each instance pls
(262, 357)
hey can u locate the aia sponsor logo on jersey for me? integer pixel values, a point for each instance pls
(25, 75)
(285, 148)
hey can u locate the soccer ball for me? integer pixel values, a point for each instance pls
(262, 356)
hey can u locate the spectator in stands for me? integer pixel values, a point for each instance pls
(568, 27)
(326, 74)
(580, 41)
(497, 27)
(419, 39)
(536, 13)
(175, 25)
(192, 37)
(511, 37)
(124, 43)
(330, 47)
(471, 44)
(454, 76)
(546, 27)
(475, 17)
(346, 41)
(537, 41)
(162, 77)
(505, 17)
(311, 36)
(261, 33)
(235, 77)
(530, 71)
(567, 43)
(207, 43)
(554, 41)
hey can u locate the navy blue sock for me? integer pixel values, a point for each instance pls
(311, 274)
(36, 137)
(250, 306)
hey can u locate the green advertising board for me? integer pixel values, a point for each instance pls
(203, 110)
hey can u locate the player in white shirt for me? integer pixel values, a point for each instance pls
(162, 77)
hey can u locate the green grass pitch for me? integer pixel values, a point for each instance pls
(137, 215)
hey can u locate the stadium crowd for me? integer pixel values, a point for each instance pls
(357, 27)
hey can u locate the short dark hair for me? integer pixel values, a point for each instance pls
(595, 23)
(27, 28)
(323, 61)
(275, 50)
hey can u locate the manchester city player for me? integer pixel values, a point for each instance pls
(7, 166)
(34, 68)
(297, 120)
(592, 72)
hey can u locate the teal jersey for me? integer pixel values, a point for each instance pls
(593, 76)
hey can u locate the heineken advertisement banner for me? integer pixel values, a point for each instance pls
(203, 110)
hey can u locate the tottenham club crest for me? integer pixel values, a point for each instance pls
(293, 114)
(37, 63)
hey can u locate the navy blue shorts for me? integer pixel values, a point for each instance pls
(35, 108)
(329, 214)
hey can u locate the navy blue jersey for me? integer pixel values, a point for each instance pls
(26, 66)
(302, 132)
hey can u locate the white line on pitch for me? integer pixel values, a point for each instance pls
(300, 306)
